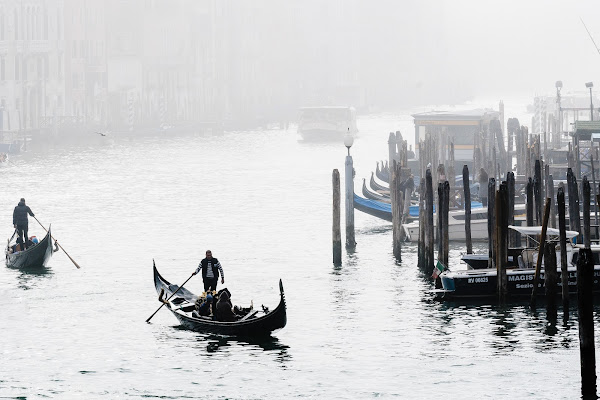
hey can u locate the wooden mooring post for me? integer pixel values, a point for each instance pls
(538, 265)
(585, 308)
(491, 222)
(397, 208)
(529, 214)
(444, 211)
(501, 242)
(467, 198)
(336, 229)
(421, 246)
(537, 192)
(440, 221)
(564, 274)
(573, 191)
(429, 236)
(550, 281)
(510, 182)
(550, 193)
(586, 212)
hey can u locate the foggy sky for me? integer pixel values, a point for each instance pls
(522, 46)
(126, 63)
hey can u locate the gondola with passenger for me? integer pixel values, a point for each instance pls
(36, 255)
(249, 322)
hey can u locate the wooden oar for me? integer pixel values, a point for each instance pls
(166, 301)
(56, 241)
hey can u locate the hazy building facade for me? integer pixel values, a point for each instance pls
(30, 62)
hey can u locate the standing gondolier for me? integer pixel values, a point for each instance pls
(20, 221)
(210, 267)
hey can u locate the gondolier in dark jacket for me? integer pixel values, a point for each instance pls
(20, 221)
(211, 268)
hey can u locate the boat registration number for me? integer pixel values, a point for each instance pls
(482, 279)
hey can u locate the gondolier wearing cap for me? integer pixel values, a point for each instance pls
(211, 268)
(20, 221)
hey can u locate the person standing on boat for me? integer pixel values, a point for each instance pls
(211, 268)
(20, 221)
(483, 187)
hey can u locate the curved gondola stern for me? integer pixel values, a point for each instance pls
(159, 281)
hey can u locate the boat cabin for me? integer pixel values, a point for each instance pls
(327, 123)
(459, 127)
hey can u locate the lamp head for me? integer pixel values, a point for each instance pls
(558, 84)
(589, 85)
(348, 142)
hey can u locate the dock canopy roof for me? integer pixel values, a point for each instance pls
(537, 230)
(587, 130)
(455, 116)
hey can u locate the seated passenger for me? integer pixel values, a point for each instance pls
(224, 310)
(34, 240)
(203, 305)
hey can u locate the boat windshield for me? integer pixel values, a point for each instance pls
(551, 233)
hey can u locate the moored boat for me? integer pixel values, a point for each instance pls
(482, 282)
(456, 223)
(383, 174)
(36, 256)
(377, 186)
(254, 323)
(374, 195)
(327, 123)
(480, 261)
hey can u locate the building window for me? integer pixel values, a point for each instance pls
(1, 25)
(17, 74)
(2, 69)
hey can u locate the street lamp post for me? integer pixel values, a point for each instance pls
(349, 172)
(590, 85)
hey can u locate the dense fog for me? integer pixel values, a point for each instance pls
(118, 64)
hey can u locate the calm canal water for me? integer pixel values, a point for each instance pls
(261, 201)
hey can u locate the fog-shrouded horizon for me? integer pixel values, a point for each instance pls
(154, 63)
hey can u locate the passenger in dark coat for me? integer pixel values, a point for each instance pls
(20, 221)
(224, 310)
(483, 187)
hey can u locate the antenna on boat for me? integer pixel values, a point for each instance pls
(591, 37)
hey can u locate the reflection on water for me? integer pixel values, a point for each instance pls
(268, 344)
(30, 278)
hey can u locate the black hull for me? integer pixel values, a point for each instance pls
(382, 174)
(373, 207)
(482, 283)
(260, 326)
(35, 257)
(373, 195)
(376, 186)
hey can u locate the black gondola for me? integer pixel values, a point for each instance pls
(376, 186)
(36, 256)
(383, 174)
(255, 323)
(373, 195)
